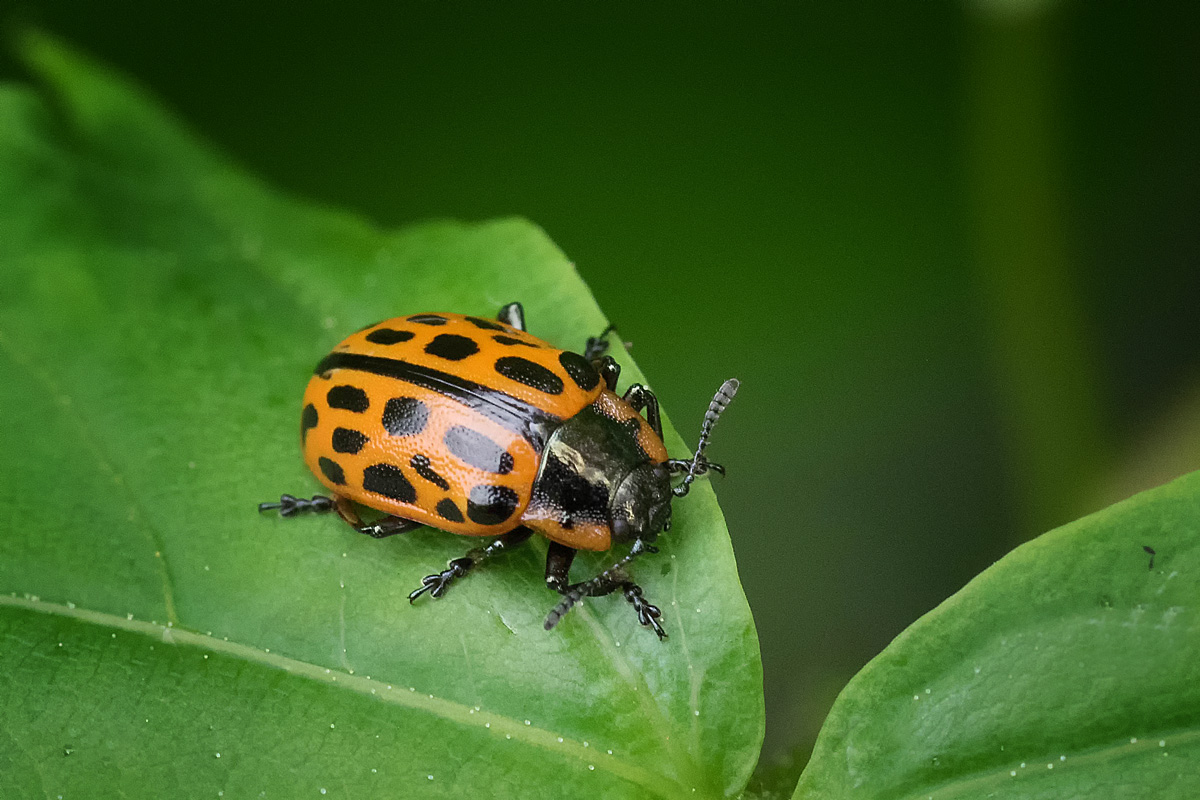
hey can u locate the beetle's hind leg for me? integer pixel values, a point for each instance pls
(437, 583)
(380, 529)
(289, 506)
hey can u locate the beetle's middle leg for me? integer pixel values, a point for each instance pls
(437, 583)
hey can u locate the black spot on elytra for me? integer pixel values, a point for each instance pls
(420, 463)
(351, 398)
(405, 416)
(389, 336)
(491, 505)
(308, 421)
(472, 447)
(533, 375)
(584, 375)
(346, 440)
(428, 319)
(451, 347)
(389, 481)
(332, 470)
(486, 324)
(510, 341)
(448, 509)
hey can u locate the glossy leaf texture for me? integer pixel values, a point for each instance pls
(1070, 668)
(160, 314)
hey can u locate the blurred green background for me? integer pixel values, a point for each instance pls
(950, 249)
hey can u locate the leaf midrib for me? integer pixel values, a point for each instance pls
(490, 722)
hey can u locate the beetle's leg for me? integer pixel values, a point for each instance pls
(380, 529)
(647, 613)
(558, 566)
(597, 345)
(513, 314)
(609, 370)
(607, 582)
(290, 506)
(640, 397)
(388, 526)
(436, 584)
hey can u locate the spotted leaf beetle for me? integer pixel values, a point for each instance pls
(476, 427)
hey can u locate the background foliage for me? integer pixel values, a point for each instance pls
(949, 248)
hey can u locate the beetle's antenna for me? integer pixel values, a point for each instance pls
(699, 464)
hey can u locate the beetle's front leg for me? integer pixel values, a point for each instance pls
(607, 582)
(558, 566)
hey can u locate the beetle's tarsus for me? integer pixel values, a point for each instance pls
(597, 346)
(289, 505)
(647, 613)
(437, 584)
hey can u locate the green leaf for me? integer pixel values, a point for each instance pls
(160, 312)
(1068, 669)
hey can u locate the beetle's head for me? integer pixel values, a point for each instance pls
(641, 506)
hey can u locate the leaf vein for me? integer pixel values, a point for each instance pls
(490, 722)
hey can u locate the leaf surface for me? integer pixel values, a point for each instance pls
(1070, 668)
(160, 314)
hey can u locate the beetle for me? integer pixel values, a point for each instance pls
(476, 427)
